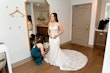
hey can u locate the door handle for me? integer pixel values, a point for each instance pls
(87, 27)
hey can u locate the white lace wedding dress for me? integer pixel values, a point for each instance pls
(64, 59)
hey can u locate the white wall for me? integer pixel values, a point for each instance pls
(93, 17)
(103, 8)
(63, 8)
(106, 64)
(33, 18)
(76, 2)
(28, 8)
(13, 31)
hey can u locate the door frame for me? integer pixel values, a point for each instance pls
(89, 25)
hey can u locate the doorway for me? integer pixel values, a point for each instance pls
(80, 23)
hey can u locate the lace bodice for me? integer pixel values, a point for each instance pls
(53, 30)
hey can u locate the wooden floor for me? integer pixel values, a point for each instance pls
(94, 65)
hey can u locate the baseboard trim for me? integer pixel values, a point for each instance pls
(91, 46)
(21, 62)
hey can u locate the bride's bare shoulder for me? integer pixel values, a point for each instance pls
(58, 24)
(49, 24)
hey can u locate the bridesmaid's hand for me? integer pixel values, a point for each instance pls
(43, 53)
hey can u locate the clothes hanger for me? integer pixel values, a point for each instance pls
(16, 11)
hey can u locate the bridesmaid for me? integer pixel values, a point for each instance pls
(37, 51)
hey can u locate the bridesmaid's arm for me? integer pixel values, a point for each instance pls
(42, 49)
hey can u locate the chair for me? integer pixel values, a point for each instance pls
(2, 62)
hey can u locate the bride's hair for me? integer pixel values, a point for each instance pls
(56, 17)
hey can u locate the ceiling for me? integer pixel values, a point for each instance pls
(42, 3)
(36, 1)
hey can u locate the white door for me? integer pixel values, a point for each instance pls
(80, 24)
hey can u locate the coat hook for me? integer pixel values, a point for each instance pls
(6, 6)
(19, 27)
(16, 7)
(10, 28)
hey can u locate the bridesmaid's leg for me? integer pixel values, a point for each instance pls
(38, 61)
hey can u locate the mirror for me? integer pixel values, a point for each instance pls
(107, 13)
(37, 12)
(107, 10)
(42, 14)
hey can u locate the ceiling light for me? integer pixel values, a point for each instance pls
(38, 4)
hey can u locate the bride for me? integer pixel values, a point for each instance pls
(64, 59)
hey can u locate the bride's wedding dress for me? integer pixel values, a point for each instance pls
(64, 59)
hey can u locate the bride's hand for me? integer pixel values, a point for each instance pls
(50, 36)
(55, 36)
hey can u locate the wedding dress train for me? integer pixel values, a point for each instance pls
(64, 59)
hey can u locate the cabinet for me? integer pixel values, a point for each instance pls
(42, 30)
(100, 39)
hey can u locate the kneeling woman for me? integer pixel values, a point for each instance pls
(37, 51)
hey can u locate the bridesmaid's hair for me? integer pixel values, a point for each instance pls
(56, 17)
(32, 38)
(41, 39)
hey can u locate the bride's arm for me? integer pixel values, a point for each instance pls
(49, 31)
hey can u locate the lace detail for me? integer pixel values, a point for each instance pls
(65, 59)
(54, 30)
